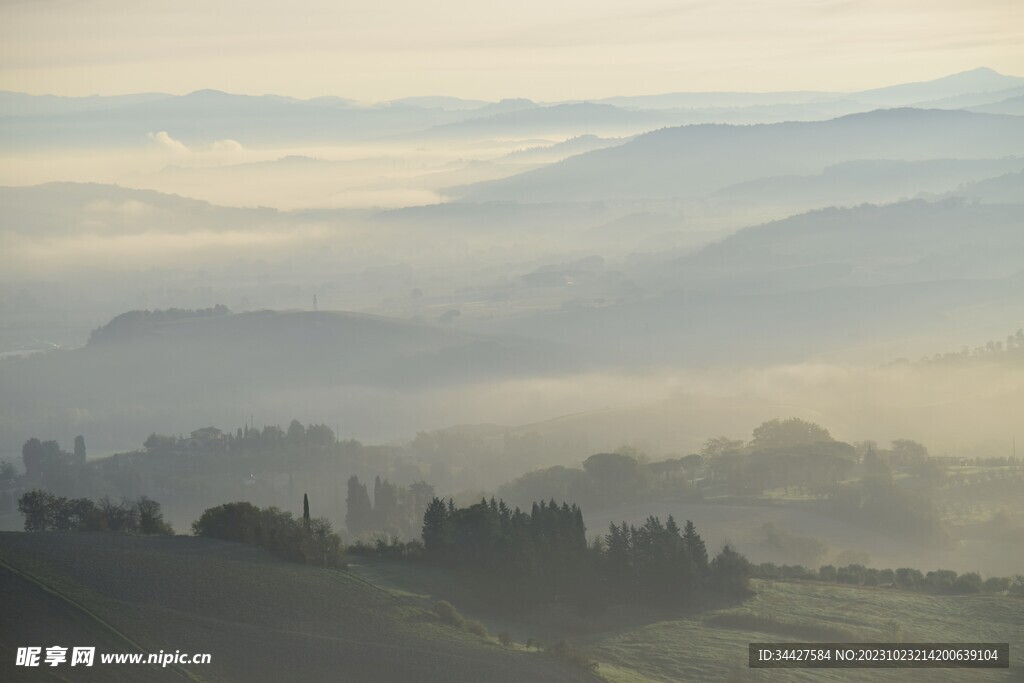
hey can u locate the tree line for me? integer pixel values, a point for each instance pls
(938, 582)
(543, 555)
(540, 555)
(606, 480)
(309, 540)
(993, 350)
(787, 454)
(519, 557)
(44, 511)
(395, 511)
(132, 324)
(269, 466)
(49, 466)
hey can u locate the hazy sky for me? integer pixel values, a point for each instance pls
(546, 50)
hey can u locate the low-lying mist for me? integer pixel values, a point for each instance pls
(964, 410)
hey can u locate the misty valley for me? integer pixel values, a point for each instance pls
(442, 389)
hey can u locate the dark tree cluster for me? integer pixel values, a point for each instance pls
(8, 482)
(661, 564)
(267, 466)
(879, 503)
(46, 512)
(655, 563)
(297, 442)
(788, 454)
(135, 323)
(48, 466)
(781, 454)
(993, 350)
(607, 480)
(309, 540)
(543, 555)
(395, 511)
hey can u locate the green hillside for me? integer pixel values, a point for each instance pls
(714, 646)
(650, 646)
(261, 619)
(266, 620)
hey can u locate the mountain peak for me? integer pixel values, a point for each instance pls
(207, 93)
(981, 79)
(980, 71)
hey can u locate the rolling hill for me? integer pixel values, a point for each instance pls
(202, 117)
(811, 285)
(262, 619)
(259, 618)
(980, 80)
(659, 646)
(872, 181)
(1013, 106)
(691, 161)
(191, 371)
(909, 241)
(63, 208)
(561, 150)
(981, 83)
(570, 119)
(713, 647)
(1007, 189)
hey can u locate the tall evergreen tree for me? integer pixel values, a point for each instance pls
(386, 512)
(296, 432)
(79, 450)
(359, 510)
(730, 571)
(436, 530)
(619, 564)
(695, 547)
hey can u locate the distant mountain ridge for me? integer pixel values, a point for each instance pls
(978, 80)
(970, 82)
(873, 180)
(695, 160)
(817, 283)
(204, 116)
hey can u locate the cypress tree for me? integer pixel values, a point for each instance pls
(359, 511)
(79, 450)
(694, 545)
(436, 530)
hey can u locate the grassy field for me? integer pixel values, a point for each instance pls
(261, 619)
(634, 646)
(267, 620)
(696, 648)
(24, 600)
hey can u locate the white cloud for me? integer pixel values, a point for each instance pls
(227, 147)
(164, 140)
